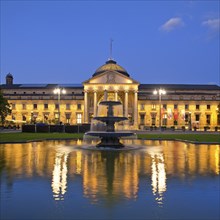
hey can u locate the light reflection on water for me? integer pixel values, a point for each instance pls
(109, 178)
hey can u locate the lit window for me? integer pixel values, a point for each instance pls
(79, 118)
(79, 106)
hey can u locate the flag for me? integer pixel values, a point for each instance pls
(175, 114)
(169, 113)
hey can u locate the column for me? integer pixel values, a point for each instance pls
(116, 95)
(135, 109)
(126, 103)
(95, 104)
(85, 106)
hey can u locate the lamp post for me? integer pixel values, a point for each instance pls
(59, 91)
(160, 92)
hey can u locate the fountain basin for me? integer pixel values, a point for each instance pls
(110, 134)
(110, 139)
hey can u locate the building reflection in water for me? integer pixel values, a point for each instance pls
(108, 176)
(59, 177)
(158, 176)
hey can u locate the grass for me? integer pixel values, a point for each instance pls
(19, 137)
(23, 137)
(203, 137)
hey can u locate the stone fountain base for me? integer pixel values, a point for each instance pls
(110, 139)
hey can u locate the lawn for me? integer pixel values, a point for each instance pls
(203, 137)
(23, 137)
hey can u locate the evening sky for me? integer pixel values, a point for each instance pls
(174, 42)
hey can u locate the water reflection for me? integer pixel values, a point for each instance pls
(108, 176)
(59, 177)
(158, 176)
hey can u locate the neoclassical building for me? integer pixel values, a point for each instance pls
(182, 105)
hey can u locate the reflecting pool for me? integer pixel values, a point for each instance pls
(60, 180)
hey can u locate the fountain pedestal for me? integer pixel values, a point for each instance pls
(110, 138)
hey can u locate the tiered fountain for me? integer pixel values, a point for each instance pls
(110, 138)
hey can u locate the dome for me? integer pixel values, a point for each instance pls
(110, 65)
(9, 75)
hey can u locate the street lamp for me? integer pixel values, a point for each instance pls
(160, 92)
(59, 91)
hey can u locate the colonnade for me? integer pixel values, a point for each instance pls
(125, 104)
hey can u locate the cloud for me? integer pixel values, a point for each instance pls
(212, 24)
(172, 24)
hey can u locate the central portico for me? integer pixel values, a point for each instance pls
(111, 82)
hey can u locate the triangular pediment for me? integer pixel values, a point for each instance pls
(111, 77)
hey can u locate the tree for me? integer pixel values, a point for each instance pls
(4, 108)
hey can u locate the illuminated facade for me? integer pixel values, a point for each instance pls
(182, 105)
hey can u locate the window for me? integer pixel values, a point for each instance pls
(45, 106)
(186, 118)
(186, 107)
(197, 107)
(13, 106)
(218, 119)
(79, 118)
(68, 118)
(175, 106)
(67, 106)
(153, 119)
(142, 107)
(79, 106)
(34, 92)
(35, 106)
(46, 116)
(24, 92)
(142, 116)
(208, 107)
(13, 117)
(197, 117)
(56, 116)
(153, 107)
(43, 92)
(56, 106)
(14, 92)
(164, 120)
(165, 106)
(208, 119)
(23, 118)
(23, 107)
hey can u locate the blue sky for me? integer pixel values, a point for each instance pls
(66, 41)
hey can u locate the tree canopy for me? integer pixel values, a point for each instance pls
(4, 108)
